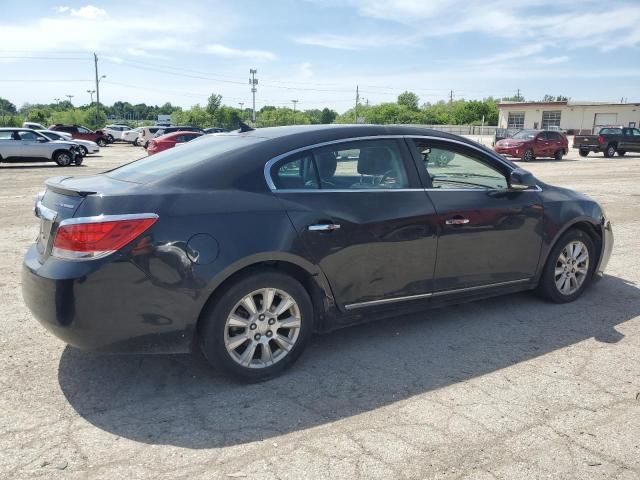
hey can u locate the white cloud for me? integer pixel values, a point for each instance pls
(62, 9)
(223, 51)
(88, 12)
(351, 42)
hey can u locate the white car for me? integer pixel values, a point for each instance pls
(132, 136)
(23, 144)
(86, 146)
(33, 126)
(116, 132)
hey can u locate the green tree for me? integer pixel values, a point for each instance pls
(409, 100)
(327, 115)
(213, 104)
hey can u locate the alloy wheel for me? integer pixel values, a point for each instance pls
(262, 328)
(572, 267)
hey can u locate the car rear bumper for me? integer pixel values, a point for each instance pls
(109, 307)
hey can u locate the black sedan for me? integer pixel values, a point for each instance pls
(244, 244)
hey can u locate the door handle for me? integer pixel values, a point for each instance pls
(457, 221)
(323, 227)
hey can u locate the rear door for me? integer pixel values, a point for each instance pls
(10, 144)
(541, 145)
(488, 235)
(363, 217)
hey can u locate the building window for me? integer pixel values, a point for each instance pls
(551, 119)
(515, 120)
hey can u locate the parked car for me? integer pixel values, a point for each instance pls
(531, 144)
(116, 132)
(132, 136)
(245, 243)
(82, 133)
(24, 144)
(33, 126)
(214, 130)
(147, 134)
(86, 146)
(170, 140)
(177, 128)
(609, 141)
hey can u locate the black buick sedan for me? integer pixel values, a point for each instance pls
(244, 244)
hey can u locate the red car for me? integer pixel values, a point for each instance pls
(170, 140)
(82, 133)
(531, 144)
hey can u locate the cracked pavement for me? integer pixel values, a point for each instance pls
(506, 388)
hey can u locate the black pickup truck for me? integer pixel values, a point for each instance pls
(609, 141)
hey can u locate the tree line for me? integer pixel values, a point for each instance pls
(405, 110)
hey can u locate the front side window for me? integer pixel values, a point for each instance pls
(450, 169)
(525, 135)
(83, 130)
(28, 136)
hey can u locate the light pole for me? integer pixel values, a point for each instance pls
(70, 97)
(241, 110)
(294, 110)
(253, 81)
(91, 92)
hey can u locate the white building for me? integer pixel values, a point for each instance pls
(573, 117)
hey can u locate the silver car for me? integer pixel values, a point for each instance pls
(86, 146)
(22, 144)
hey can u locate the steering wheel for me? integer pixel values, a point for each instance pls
(386, 175)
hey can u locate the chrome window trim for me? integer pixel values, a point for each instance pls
(354, 306)
(271, 162)
(106, 218)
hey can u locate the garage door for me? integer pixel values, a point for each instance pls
(603, 119)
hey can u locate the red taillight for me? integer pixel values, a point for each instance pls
(600, 139)
(95, 239)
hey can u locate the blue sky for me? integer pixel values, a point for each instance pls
(317, 51)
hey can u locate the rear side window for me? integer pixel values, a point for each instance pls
(6, 135)
(176, 160)
(296, 172)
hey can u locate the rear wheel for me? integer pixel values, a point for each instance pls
(622, 152)
(78, 161)
(102, 142)
(63, 158)
(135, 142)
(583, 153)
(569, 267)
(528, 155)
(258, 327)
(85, 152)
(610, 151)
(558, 154)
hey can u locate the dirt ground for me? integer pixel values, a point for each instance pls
(506, 388)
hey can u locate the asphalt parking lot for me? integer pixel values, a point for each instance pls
(505, 388)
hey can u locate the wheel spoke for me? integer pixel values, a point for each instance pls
(283, 342)
(237, 321)
(285, 304)
(249, 304)
(290, 322)
(577, 248)
(237, 340)
(559, 271)
(266, 355)
(247, 355)
(267, 299)
(582, 257)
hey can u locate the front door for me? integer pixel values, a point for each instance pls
(630, 140)
(31, 146)
(488, 234)
(363, 217)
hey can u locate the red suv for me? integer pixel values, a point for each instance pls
(529, 144)
(82, 133)
(170, 140)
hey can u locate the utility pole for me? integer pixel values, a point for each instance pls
(518, 95)
(91, 92)
(241, 110)
(95, 63)
(294, 105)
(70, 97)
(451, 96)
(357, 101)
(253, 81)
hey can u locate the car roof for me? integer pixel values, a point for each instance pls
(179, 132)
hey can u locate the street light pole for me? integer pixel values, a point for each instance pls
(70, 97)
(241, 110)
(253, 81)
(91, 92)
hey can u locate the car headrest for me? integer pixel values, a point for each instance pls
(327, 164)
(374, 161)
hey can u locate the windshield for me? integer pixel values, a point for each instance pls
(173, 161)
(525, 134)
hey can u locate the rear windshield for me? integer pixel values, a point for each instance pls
(175, 160)
(611, 131)
(525, 134)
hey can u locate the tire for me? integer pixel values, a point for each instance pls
(136, 143)
(101, 142)
(85, 152)
(216, 334)
(622, 152)
(63, 158)
(610, 151)
(528, 156)
(146, 144)
(110, 138)
(554, 284)
(583, 153)
(78, 161)
(558, 154)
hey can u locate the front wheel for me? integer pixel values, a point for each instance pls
(258, 327)
(583, 153)
(135, 142)
(528, 155)
(78, 160)
(63, 158)
(610, 151)
(569, 267)
(101, 142)
(84, 150)
(622, 152)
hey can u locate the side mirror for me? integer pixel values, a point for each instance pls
(520, 179)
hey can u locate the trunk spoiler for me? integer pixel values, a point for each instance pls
(56, 184)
